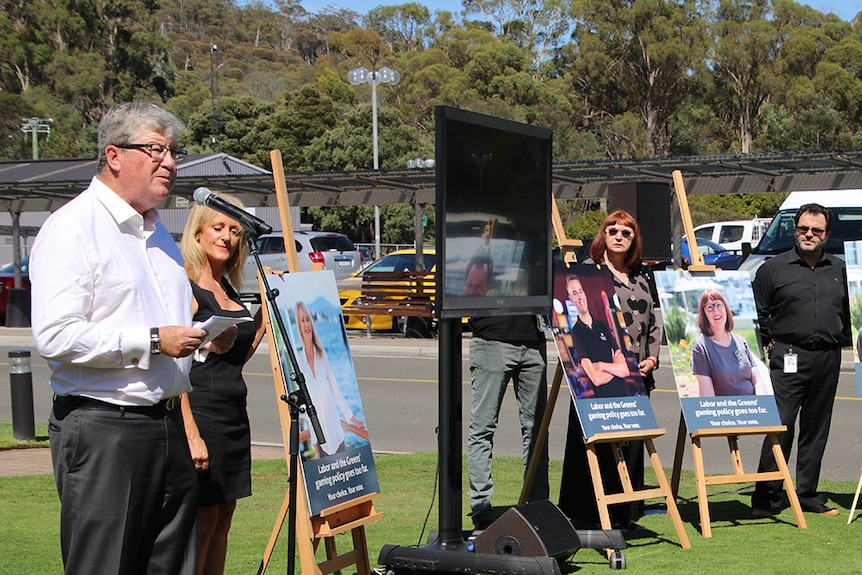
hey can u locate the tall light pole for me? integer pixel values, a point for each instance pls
(374, 77)
(214, 67)
(36, 126)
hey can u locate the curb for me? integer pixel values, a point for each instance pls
(385, 345)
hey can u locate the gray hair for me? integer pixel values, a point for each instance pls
(123, 122)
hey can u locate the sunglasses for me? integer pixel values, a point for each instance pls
(803, 230)
(626, 233)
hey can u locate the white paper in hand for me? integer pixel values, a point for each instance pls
(217, 324)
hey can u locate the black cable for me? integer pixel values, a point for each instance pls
(433, 498)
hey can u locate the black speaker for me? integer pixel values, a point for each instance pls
(537, 529)
(649, 203)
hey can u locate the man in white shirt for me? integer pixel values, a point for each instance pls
(111, 314)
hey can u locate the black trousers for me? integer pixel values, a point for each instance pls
(128, 490)
(808, 395)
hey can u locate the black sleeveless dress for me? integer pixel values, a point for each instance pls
(218, 402)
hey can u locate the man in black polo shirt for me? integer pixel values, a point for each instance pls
(502, 349)
(804, 318)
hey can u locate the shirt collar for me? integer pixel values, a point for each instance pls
(823, 259)
(121, 211)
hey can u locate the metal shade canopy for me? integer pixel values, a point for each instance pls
(45, 185)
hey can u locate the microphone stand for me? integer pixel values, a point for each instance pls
(297, 401)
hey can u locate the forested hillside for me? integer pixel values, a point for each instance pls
(612, 78)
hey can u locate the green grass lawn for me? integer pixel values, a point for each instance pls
(8, 441)
(29, 515)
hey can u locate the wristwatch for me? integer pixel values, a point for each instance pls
(155, 341)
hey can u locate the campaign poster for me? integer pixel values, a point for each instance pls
(853, 259)
(710, 322)
(339, 466)
(596, 353)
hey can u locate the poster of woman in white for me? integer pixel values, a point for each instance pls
(710, 323)
(338, 466)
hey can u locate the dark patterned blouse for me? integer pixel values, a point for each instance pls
(638, 306)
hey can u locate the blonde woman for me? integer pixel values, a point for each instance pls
(214, 412)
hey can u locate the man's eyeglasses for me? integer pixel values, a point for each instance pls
(156, 151)
(803, 230)
(626, 233)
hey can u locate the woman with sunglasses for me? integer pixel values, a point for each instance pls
(618, 246)
(721, 360)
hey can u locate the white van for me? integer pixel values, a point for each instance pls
(780, 236)
(731, 235)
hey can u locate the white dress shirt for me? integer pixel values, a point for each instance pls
(102, 275)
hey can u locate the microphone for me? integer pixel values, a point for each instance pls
(251, 224)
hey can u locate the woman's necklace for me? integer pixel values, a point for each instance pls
(220, 292)
(223, 294)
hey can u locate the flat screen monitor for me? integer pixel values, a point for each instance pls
(493, 215)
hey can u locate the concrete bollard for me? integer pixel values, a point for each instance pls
(21, 382)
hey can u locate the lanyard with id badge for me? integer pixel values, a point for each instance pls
(791, 364)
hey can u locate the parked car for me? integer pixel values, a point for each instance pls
(780, 236)
(7, 282)
(350, 289)
(367, 255)
(333, 250)
(731, 235)
(713, 254)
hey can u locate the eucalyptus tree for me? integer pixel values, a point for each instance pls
(359, 46)
(25, 44)
(237, 118)
(428, 78)
(641, 55)
(402, 27)
(288, 16)
(118, 45)
(348, 146)
(818, 102)
(312, 35)
(747, 62)
(537, 26)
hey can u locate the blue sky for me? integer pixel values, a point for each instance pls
(846, 9)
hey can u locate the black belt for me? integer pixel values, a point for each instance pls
(813, 345)
(78, 402)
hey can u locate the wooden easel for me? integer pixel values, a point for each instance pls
(732, 434)
(855, 501)
(614, 439)
(351, 516)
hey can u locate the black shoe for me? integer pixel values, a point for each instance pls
(758, 513)
(820, 508)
